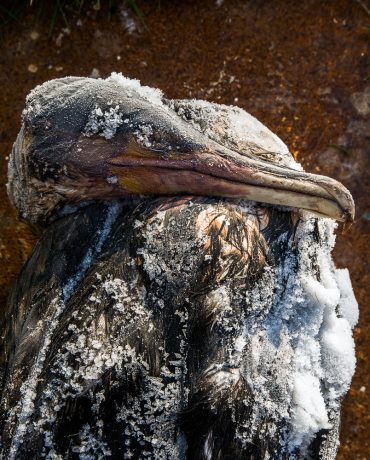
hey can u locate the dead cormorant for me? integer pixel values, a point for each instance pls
(170, 327)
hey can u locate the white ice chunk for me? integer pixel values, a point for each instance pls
(309, 412)
(348, 306)
(152, 95)
(337, 353)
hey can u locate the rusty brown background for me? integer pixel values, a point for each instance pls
(301, 67)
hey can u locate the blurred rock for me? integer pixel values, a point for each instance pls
(361, 101)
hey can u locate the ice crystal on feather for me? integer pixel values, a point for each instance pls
(291, 346)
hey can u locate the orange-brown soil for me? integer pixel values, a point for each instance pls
(302, 68)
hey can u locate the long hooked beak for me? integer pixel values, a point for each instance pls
(218, 171)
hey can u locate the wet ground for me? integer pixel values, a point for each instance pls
(302, 68)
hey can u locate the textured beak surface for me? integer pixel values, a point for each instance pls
(225, 173)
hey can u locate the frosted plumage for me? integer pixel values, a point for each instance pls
(179, 328)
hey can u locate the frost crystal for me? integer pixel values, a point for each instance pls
(234, 128)
(104, 123)
(144, 135)
(187, 321)
(152, 95)
(171, 286)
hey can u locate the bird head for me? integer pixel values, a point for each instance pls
(84, 139)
